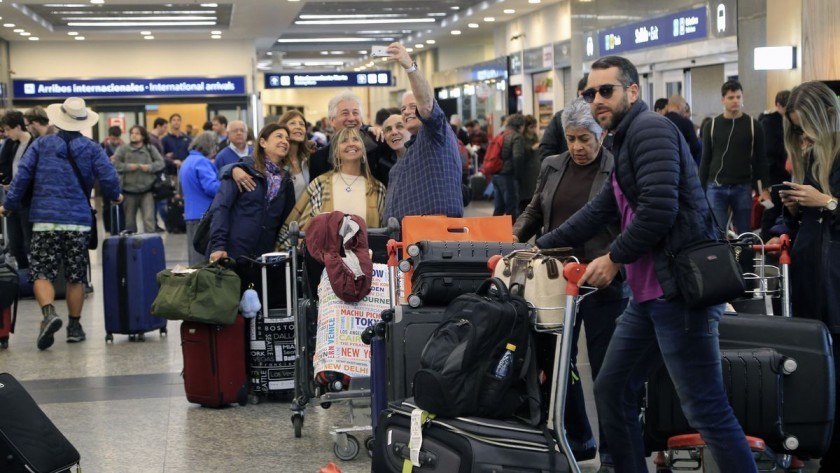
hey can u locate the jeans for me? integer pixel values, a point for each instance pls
(506, 195)
(145, 203)
(738, 198)
(687, 341)
(193, 257)
(19, 239)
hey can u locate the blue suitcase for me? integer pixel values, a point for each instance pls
(130, 264)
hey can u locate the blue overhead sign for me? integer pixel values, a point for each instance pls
(161, 87)
(328, 79)
(687, 25)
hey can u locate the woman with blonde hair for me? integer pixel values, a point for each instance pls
(812, 141)
(299, 150)
(349, 188)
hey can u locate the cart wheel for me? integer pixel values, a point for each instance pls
(242, 395)
(163, 332)
(297, 422)
(109, 338)
(326, 405)
(132, 338)
(141, 337)
(369, 444)
(348, 453)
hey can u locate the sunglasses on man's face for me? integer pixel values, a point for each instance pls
(605, 91)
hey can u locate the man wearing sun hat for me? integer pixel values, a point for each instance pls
(60, 210)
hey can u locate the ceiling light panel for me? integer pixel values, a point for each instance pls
(135, 15)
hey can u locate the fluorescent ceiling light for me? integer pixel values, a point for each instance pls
(324, 53)
(774, 58)
(72, 33)
(209, 5)
(144, 33)
(455, 32)
(346, 17)
(327, 40)
(430, 41)
(534, 1)
(150, 18)
(97, 2)
(383, 21)
(215, 36)
(34, 38)
(409, 50)
(419, 45)
(215, 32)
(510, 11)
(9, 25)
(148, 37)
(25, 33)
(337, 52)
(18, 30)
(79, 38)
(473, 25)
(436, 14)
(489, 19)
(143, 23)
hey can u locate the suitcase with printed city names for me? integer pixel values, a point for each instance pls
(271, 354)
(214, 363)
(29, 441)
(129, 266)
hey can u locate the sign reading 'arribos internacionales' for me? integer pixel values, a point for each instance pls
(129, 87)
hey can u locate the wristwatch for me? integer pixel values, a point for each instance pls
(411, 68)
(831, 205)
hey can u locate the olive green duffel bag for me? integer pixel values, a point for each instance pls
(206, 293)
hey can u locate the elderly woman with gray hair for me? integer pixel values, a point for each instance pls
(566, 183)
(199, 185)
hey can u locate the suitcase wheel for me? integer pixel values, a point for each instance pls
(369, 444)
(109, 338)
(163, 332)
(242, 395)
(349, 450)
(297, 423)
(4, 343)
(415, 301)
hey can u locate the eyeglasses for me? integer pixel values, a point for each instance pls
(605, 91)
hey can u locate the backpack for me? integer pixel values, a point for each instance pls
(459, 366)
(493, 156)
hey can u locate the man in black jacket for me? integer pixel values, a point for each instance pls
(656, 196)
(675, 110)
(774, 146)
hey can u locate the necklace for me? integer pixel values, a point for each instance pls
(349, 185)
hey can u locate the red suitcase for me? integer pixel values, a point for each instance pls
(6, 326)
(214, 363)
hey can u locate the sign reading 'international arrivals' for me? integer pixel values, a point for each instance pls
(328, 79)
(132, 87)
(687, 25)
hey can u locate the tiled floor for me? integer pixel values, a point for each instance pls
(123, 405)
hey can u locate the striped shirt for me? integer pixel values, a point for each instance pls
(427, 180)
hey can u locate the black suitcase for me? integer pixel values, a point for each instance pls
(754, 382)
(175, 216)
(405, 338)
(271, 360)
(443, 270)
(465, 445)
(809, 401)
(809, 390)
(478, 184)
(29, 441)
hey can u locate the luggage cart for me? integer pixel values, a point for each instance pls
(766, 283)
(572, 272)
(306, 391)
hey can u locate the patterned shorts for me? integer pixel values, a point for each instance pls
(51, 249)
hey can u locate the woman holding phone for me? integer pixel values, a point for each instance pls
(812, 140)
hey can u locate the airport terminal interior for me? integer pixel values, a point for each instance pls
(122, 403)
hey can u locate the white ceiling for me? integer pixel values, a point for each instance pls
(264, 22)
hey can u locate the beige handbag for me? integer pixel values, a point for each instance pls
(540, 277)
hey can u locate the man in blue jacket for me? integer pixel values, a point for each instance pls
(60, 211)
(656, 196)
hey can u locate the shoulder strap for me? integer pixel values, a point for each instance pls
(77, 172)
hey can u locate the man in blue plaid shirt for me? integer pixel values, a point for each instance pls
(427, 180)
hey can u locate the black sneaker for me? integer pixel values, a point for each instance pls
(75, 333)
(49, 326)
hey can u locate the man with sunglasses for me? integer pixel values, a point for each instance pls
(733, 162)
(656, 196)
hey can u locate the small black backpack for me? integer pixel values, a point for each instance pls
(458, 366)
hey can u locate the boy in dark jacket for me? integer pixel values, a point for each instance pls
(656, 196)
